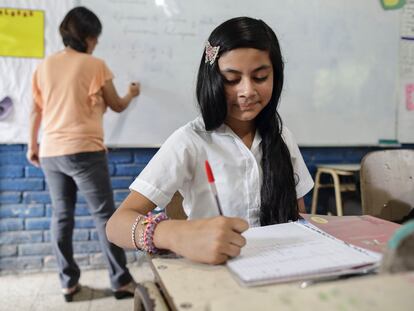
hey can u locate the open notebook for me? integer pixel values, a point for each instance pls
(296, 251)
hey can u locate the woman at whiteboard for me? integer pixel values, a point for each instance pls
(72, 90)
(260, 175)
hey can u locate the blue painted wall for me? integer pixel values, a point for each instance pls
(25, 206)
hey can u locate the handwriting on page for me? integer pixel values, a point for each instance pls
(287, 250)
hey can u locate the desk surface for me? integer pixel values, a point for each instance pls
(191, 286)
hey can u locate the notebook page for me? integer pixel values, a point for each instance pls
(290, 251)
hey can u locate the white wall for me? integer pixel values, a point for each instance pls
(341, 66)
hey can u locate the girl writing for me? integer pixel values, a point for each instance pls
(261, 177)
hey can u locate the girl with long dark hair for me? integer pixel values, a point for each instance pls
(261, 177)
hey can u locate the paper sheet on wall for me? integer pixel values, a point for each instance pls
(16, 72)
(21, 32)
(409, 96)
(406, 102)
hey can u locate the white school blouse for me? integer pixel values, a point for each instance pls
(179, 165)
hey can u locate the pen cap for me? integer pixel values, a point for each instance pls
(209, 172)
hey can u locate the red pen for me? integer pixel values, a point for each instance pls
(213, 189)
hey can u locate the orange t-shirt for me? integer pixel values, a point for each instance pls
(67, 86)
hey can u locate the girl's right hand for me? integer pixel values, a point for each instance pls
(212, 240)
(134, 89)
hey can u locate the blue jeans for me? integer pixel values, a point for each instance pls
(87, 172)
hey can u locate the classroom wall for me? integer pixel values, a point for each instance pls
(25, 206)
(344, 89)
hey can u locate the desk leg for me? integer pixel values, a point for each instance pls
(338, 199)
(147, 297)
(315, 192)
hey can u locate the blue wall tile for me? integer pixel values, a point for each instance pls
(37, 224)
(10, 197)
(120, 195)
(32, 171)
(118, 156)
(12, 147)
(84, 222)
(11, 224)
(128, 169)
(22, 210)
(21, 184)
(35, 249)
(11, 171)
(21, 263)
(17, 237)
(121, 182)
(36, 197)
(7, 158)
(144, 155)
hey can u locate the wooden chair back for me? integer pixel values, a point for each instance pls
(387, 183)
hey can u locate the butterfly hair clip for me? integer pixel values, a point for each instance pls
(211, 53)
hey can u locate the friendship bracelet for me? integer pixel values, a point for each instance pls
(151, 222)
(133, 229)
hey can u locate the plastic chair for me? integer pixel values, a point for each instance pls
(387, 183)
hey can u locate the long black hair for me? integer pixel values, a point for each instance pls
(278, 192)
(79, 24)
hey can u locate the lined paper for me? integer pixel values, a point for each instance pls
(292, 251)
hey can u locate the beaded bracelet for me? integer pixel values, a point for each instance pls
(133, 229)
(151, 221)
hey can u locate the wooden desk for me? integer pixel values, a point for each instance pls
(190, 286)
(336, 171)
(197, 287)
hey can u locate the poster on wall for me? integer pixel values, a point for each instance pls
(29, 31)
(22, 32)
(406, 102)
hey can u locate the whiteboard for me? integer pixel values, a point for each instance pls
(341, 78)
(341, 65)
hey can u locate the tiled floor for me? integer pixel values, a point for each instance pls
(41, 291)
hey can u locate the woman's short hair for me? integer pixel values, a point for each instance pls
(79, 24)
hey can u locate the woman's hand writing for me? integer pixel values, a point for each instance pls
(111, 97)
(134, 89)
